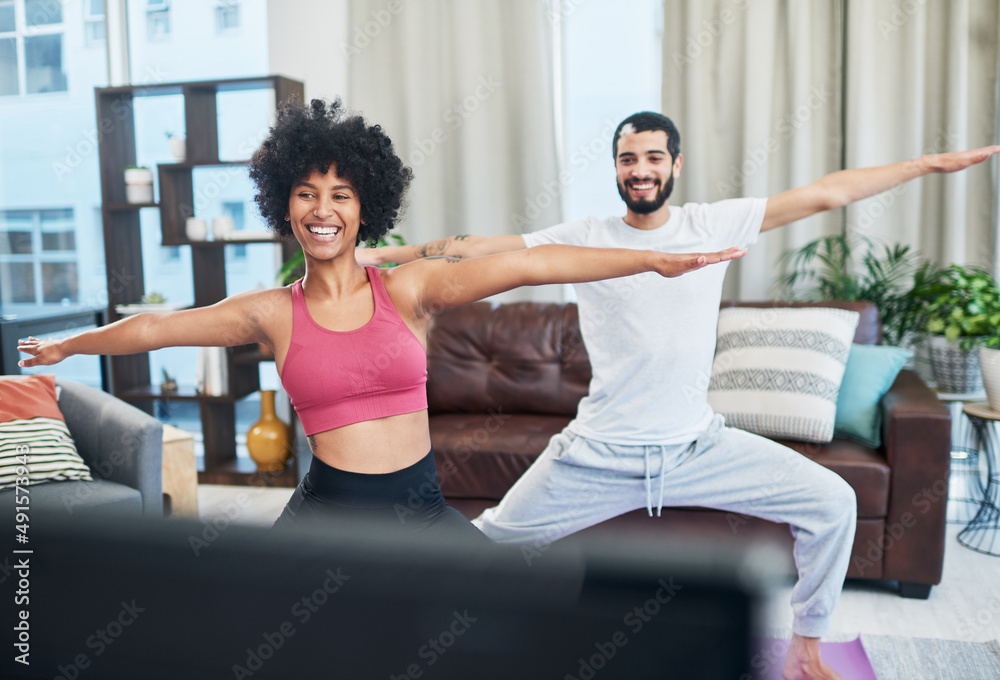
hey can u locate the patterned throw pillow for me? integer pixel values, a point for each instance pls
(777, 371)
(33, 434)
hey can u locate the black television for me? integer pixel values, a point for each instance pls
(185, 600)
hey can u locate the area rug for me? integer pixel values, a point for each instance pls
(886, 657)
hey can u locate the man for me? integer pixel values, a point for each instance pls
(645, 434)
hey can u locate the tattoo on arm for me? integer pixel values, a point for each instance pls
(447, 258)
(434, 248)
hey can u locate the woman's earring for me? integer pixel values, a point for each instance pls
(287, 220)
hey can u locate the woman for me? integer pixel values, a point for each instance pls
(349, 341)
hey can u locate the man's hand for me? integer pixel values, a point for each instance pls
(672, 264)
(959, 160)
(43, 352)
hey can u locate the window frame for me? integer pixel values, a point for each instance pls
(40, 256)
(22, 31)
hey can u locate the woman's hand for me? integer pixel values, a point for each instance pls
(672, 264)
(43, 352)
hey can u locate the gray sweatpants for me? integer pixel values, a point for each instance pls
(578, 482)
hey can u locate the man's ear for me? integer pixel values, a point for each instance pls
(678, 162)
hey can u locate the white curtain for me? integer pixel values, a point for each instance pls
(921, 78)
(773, 94)
(465, 91)
(754, 88)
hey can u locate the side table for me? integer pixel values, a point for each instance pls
(965, 489)
(180, 473)
(982, 533)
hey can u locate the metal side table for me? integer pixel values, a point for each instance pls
(982, 533)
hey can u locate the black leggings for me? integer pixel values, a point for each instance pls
(409, 499)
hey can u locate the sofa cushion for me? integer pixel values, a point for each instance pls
(864, 468)
(871, 370)
(35, 444)
(481, 456)
(518, 358)
(777, 372)
(78, 498)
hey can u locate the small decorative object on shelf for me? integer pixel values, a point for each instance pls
(139, 185)
(222, 228)
(168, 384)
(196, 229)
(178, 146)
(268, 439)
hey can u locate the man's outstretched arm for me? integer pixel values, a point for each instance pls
(454, 246)
(846, 186)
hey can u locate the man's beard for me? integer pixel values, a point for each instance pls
(645, 207)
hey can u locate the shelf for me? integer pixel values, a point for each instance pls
(182, 393)
(221, 243)
(199, 164)
(126, 207)
(243, 471)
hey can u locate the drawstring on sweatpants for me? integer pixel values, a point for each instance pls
(649, 490)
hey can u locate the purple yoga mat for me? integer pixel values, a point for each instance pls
(847, 658)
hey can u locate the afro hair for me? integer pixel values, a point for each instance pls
(306, 139)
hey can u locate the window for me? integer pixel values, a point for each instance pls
(227, 16)
(31, 47)
(157, 19)
(93, 21)
(235, 210)
(38, 258)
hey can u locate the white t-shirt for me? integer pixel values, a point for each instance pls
(651, 339)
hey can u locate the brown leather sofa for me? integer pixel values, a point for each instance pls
(503, 379)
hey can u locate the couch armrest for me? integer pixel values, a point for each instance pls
(917, 441)
(119, 442)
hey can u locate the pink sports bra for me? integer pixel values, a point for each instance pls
(338, 378)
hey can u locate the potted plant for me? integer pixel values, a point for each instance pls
(178, 146)
(830, 269)
(959, 309)
(295, 266)
(138, 184)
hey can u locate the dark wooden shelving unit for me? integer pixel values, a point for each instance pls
(131, 378)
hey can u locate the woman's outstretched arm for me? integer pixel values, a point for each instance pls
(233, 321)
(446, 282)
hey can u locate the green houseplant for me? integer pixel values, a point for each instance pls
(959, 310)
(834, 268)
(295, 266)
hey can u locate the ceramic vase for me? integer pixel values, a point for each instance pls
(268, 438)
(989, 364)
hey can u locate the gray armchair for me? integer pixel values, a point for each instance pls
(123, 447)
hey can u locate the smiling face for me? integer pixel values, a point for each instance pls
(325, 214)
(646, 172)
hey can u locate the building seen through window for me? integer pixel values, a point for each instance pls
(32, 37)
